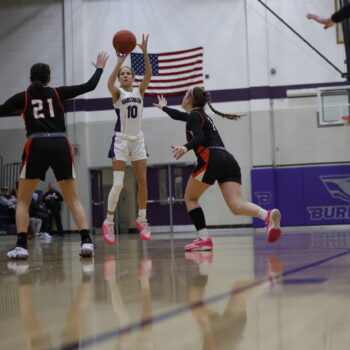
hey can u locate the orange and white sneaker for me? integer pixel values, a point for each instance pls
(200, 244)
(143, 227)
(108, 231)
(273, 225)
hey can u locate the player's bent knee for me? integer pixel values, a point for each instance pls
(117, 187)
(142, 183)
(23, 203)
(72, 202)
(190, 199)
(115, 190)
(236, 208)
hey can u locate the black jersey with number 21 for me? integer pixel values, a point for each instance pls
(42, 107)
(43, 111)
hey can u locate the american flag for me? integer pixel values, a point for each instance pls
(173, 73)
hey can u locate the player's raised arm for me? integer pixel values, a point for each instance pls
(336, 17)
(148, 74)
(326, 21)
(114, 90)
(68, 92)
(173, 113)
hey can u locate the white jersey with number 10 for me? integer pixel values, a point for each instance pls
(129, 112)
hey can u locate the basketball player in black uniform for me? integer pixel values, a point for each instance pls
(336, 17)
(47, 146)
(214, 163)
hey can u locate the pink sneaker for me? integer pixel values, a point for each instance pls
(200, 257)
(272, 224)
(275, 270)
(108, 232)
(145, 268)
(144, 229)
(109, 268)
(200, 244)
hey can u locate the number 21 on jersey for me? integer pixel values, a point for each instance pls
(38, 108)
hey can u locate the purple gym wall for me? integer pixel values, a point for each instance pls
(317, 195)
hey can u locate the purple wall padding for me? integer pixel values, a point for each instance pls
(317, 195)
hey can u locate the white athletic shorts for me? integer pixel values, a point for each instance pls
(126, 147)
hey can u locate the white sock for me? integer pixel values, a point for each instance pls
(110, 218)
(203, 233)
(142, 214)
(262, 213)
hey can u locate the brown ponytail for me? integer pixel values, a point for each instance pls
(224, 115)
(201, 97)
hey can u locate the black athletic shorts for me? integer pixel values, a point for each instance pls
(41, 153)
(217, 165)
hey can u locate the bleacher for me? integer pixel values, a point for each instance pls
(8, 176)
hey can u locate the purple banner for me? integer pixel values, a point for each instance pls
(318, 195)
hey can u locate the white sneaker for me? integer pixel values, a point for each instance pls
(18, 253)
(87, 250)
(108, 231)
(88, 267)
(18, 267)
(44, 235)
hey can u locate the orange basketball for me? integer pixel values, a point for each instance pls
(124, 41)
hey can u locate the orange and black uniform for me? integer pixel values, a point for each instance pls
(214, 162)
(43, 113)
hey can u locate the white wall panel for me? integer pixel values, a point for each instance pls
(218, 26)
(293, 60)
(30, 32)
(300, 141)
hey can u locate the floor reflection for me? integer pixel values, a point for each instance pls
(224, 330)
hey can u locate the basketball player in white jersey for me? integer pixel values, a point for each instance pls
(128, 141)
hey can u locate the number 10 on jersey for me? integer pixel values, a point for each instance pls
(132, 111)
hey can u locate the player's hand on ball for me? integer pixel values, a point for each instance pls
(121, 57)
(162, 102)
(178, 151)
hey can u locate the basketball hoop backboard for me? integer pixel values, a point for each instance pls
(334, 105)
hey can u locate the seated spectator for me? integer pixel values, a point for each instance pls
(53, 201)
(5, 192)
(7, 202)
(38, 217)
(14, 191)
